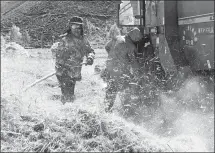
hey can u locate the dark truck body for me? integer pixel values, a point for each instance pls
(196, 33)
(182, 32)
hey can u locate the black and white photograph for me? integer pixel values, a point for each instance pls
(107, 76)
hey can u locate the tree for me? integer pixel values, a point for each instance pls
(15, 35)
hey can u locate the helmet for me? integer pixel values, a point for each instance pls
(76, 20)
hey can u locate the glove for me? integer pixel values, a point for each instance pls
(89, 61)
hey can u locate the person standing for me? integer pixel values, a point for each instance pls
(121, 64)
(70, 53)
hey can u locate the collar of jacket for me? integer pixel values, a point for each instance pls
(71, 35)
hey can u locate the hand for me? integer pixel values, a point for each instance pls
(89, 61)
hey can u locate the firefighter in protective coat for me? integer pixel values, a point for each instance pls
(121, 64)
(70, 53)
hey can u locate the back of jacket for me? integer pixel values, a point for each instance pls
(121, 57)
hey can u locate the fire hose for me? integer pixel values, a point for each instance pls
(43, 78)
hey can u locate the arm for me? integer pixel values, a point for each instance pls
(59, 51)
(131, 55)
(108, 46)
(134, 66)
(54, 49)
(59, 43)
(90, 54)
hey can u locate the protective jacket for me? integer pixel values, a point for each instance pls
(121, 57)
(121, 65)
(70, 53)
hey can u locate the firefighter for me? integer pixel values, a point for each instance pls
(121, 65)
(70, 53)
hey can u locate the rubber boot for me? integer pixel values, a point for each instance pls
(69, 91)
(64, 95)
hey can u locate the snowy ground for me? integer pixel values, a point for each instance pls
(20, 71)
(191, 131)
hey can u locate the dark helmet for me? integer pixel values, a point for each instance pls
(76, 20)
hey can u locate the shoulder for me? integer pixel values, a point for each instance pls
(109, 44)
(85, 39)
(63, 35)
(120, 39)
(86, 42)
(59, 43)
(55, 45)
(121, 44)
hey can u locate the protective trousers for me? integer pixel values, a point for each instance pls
(67, 85)
(113, 87)
(111, 92)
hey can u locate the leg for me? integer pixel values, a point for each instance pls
(72, 91)
(62, 86)
(69, 88)
(111, 92)
(61, 82)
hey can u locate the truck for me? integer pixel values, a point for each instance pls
(181, 32)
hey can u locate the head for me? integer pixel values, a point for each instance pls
(124, 30)
(76, 26)
(135, 35)
(114, 32)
